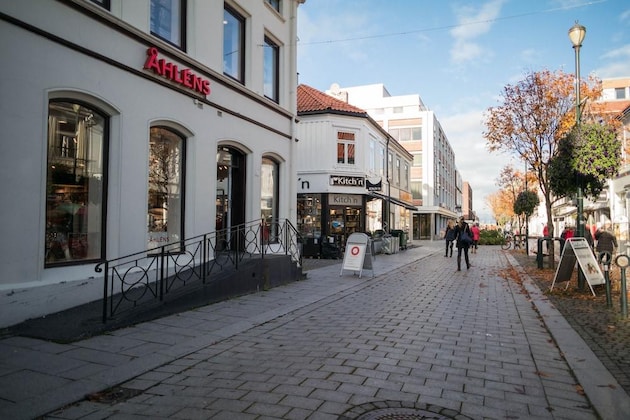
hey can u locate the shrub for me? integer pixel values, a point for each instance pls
(490, 237)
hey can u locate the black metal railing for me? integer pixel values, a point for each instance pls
(151, 275)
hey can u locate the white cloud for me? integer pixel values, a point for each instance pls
(472, 22)
(616, 63)
(477, 166)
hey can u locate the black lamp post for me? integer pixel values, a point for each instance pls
(576, 35)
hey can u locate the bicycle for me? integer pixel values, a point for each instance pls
(508, 238)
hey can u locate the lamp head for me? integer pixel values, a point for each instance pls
(577, 34)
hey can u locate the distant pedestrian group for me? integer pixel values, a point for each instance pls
(463, 237)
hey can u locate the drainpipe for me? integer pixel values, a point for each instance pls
(292, 171)
(389, 202)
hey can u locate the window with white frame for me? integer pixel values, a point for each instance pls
(405, 177)
(381, 169)
(372, 163)
(168, 21)
(275, 4)
(233, 44)
(105, 4)
(345, 147)
(271, 67)
(620, 93)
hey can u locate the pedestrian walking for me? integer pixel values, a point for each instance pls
(449, 237)
(606, 241)
(476, 233)
(464, 240)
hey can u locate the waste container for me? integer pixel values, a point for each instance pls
(312, 248)
(377, 241)
(390, 244)
(330, 249)
(401, 235)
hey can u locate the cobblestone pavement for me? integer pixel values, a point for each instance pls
(423, 335)
(412, 339)
(601, 327)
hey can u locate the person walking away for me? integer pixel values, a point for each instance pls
(449, 237)
(606, 241)
(462, 245)
(476, 233)
(566, 234)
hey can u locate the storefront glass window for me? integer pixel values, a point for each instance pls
(75, 176)
(269, 197)
(309, 209)
(165, 213)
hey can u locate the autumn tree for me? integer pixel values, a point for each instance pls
(535, 114)
(513, 184)
(501, 205)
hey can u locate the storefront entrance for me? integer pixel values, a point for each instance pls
(343, 222)
(230, 200)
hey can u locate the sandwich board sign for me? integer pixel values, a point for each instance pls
(358, 255)
(578, 250)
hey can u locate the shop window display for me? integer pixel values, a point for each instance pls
(75, 176)
(164, 216)
(269, 199)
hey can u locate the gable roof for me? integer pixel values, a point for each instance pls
(313, 101)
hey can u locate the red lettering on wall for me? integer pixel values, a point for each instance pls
(186, 76)
(172, 72)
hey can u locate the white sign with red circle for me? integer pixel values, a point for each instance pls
(353, 259)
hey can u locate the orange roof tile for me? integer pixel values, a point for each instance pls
(311, 100)
(615, 107)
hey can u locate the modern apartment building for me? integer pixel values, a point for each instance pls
(129, 124)
(436, 186)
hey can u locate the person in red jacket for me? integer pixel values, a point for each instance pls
(475, 236)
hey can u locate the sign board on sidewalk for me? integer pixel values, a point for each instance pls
(578, 250)
(358, 255)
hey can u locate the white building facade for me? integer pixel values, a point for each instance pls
(128, 124)
(435, 188)
(352, 175)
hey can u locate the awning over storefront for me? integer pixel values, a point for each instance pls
(393, 200)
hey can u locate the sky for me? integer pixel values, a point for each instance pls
(458, 56)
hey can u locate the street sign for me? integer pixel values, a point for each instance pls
(358, 255)
(578, 250)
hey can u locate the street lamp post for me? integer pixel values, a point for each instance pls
(576, 35)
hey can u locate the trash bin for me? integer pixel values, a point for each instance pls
(388, 244)
(312, 248)
(330, 250)
(401, 235)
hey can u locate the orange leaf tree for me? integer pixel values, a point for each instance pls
(534, 116)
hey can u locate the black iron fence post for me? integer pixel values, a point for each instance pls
(623, 261)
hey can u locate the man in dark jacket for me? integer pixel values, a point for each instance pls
(606, 241)
(462, 245)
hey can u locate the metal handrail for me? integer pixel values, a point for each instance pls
(150, 275)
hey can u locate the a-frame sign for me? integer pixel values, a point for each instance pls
(578, 250)
(358, 255)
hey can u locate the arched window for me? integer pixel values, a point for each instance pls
(75, 180)
(269, 196)
(165, 215)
